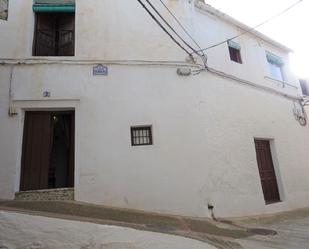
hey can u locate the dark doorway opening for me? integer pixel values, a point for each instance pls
(267, 171)
(48, 151)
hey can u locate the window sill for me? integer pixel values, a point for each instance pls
(239, 63)
(283, 83)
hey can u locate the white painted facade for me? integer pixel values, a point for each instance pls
(203, 125)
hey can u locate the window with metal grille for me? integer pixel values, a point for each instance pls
(141, 135)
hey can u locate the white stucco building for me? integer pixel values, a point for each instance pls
(212, 137)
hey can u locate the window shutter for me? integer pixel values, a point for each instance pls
(274, 59)
(54, 6)
(66, 35)
(45, 35)
(233, 44)
(54, 2)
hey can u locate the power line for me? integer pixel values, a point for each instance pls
(183, 28)
(174, 31)
(202, 56)
(252, 29)
(164, 29)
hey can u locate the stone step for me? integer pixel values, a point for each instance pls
(60, 194)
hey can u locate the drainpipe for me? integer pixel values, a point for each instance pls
(211, 209)
(11, 111)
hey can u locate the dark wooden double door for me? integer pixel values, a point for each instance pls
(267, 171)
(54, 34)
(48, 150)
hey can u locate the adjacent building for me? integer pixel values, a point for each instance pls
(95, 97)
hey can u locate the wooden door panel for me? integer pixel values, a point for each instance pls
(45, 153)
(45, 35)
(267, 171)
(36, 151)
(71, 152)
(66, 35)
(54, 34)
(26, 160)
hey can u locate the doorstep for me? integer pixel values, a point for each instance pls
(59, 194)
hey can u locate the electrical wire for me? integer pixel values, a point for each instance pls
(163, 28)
(174, 31)
(11, 112)
(253, 29)
(179, 23)
(202, 55)
(306, 103)
(252, 84)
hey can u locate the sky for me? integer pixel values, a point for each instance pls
(290, 29)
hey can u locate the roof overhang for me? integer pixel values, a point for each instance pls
(206, 8)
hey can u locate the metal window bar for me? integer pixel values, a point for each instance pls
(141, 136)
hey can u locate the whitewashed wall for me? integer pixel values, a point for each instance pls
(203, 126)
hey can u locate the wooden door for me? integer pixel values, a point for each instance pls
(36, 151)
(54, 34)
(71, 152)
(267, 171)
(45, 35)
(66, 35)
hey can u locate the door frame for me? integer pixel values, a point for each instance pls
(275, 160)
(50, 106)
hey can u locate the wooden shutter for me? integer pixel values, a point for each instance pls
(66, 34)
(267, 171)
(71, 151)
(36, 151)
(45, 35)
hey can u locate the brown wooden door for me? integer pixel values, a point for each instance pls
(48, 151)
(36, 151)
(45, 35)
(71, 153)
(54, 34)
(66, 35)
(267, 171)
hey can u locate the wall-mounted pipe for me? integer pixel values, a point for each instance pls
(11, 111)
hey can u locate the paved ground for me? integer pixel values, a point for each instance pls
(22, 231)
(292, 231)
(214, 233)
(288, 230)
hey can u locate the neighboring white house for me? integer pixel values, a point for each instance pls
(3, 9)
(83, 82)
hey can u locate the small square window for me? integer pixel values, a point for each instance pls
(235, 55)
(141, 135)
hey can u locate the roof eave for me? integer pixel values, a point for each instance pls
(213, 11)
